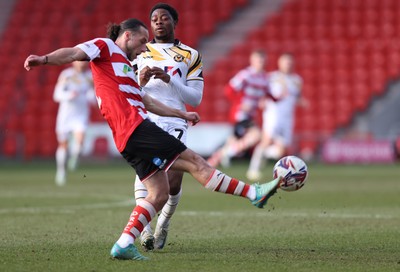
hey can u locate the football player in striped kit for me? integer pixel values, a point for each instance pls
(245, 91)
(150, 150)
(179, 83)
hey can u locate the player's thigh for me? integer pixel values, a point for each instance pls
(62, 137)
(254, 132)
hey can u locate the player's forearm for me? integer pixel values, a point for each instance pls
(161, 109)
(64, 56)
(191, 94)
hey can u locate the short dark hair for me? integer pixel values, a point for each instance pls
(115, 30)
(170, 9)
(259, 51)
(287, 54)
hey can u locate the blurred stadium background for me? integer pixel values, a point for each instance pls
(347, 51)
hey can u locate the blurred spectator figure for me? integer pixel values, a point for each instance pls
(74, 91)
(244, 91)
(278, 116)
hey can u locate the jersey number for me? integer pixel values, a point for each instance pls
(180, 133)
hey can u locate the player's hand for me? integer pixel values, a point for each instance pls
(161, 74)
(34, 60)
(192, 117)
(145, 75)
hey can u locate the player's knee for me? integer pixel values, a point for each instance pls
(158, 200)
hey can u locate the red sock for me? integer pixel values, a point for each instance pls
(140, 217)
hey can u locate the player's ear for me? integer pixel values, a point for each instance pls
(127, 35)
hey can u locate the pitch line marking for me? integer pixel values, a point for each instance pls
(69, 209)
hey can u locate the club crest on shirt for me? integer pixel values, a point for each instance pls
(178, 58)
(178, 54)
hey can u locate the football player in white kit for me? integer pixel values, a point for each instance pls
(178, 81)
(74, 92)
(278, 116)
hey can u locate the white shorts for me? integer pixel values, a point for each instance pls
(66, 125)
(174, 126)
(176, 130)
(280, 129)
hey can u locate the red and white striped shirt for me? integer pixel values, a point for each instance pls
(118, 94)
(245, 90)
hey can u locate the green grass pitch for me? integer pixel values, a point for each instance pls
(346, 218)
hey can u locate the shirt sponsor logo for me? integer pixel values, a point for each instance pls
(123, 70)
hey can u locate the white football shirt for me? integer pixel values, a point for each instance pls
(74, 93)
(185, 67)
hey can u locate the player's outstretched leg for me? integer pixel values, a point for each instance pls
(258, 194)
(215, 180)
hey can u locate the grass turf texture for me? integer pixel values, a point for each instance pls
(346, 218)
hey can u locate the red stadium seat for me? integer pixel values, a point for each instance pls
(9, 146)
(337, 45)
(100, 148)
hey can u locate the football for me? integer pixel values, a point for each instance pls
(294, 172)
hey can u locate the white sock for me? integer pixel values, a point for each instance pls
(251, 193)
(147, 228)
(61, 158)
(75, 151)
(256, 160)
(140, 190)
(168, 210)
(125, 240)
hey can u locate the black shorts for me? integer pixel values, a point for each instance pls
(241, 127)
(150, 149)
